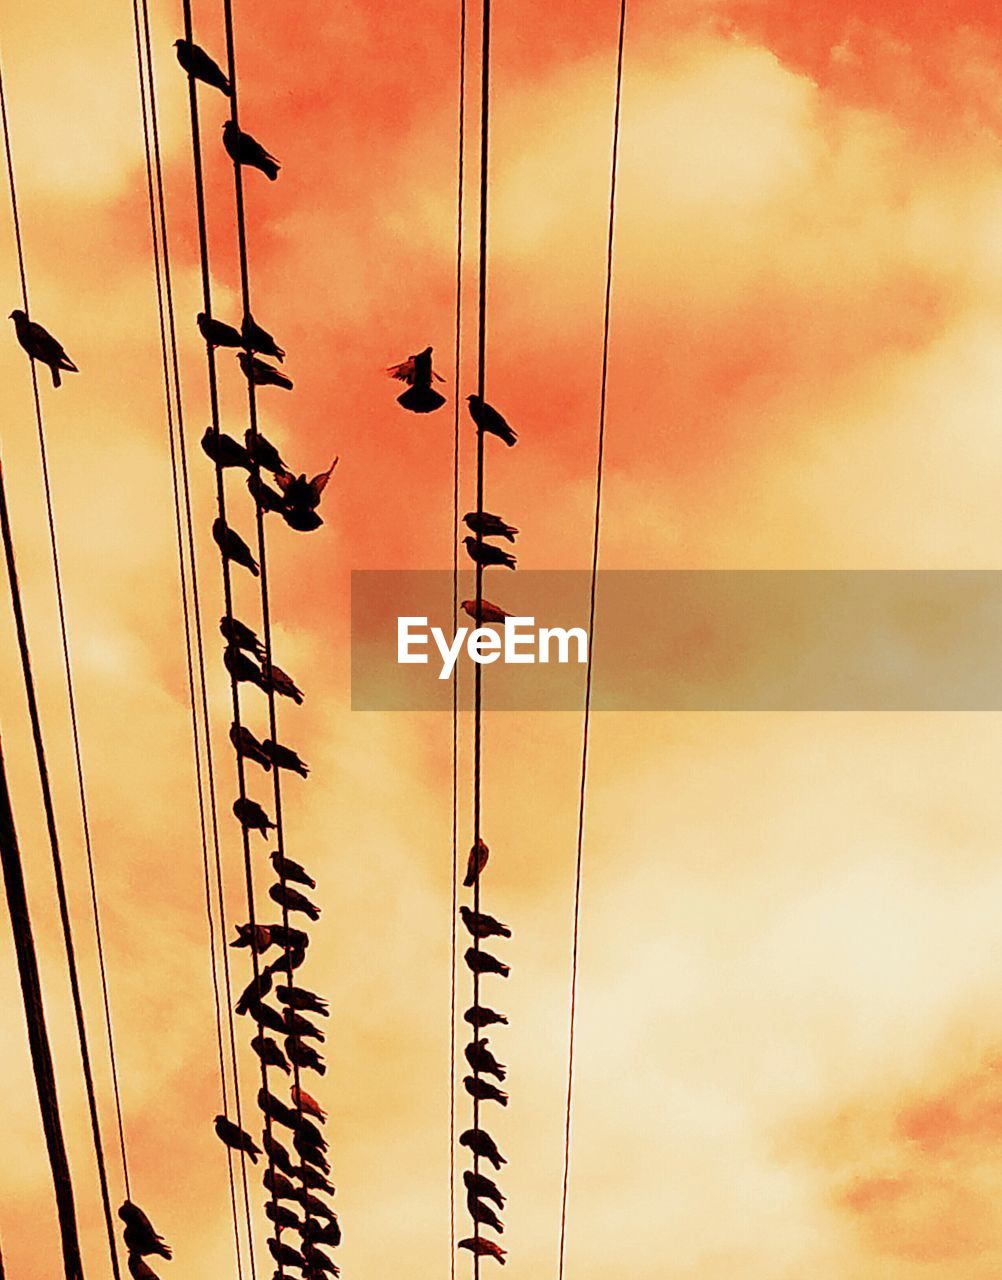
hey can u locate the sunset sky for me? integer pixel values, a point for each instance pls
(790, 1014)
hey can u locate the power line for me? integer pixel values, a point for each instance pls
(596, 535)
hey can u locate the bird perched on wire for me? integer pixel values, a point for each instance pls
(239, 633)
(263, 374)
(479, 1016)
(489, 526)
(476, 863)
(256, 937)
(290, 937)
(235, 1138)
(483, 1213)
(416, 371)
(139, 1235)
(198, 64)
(254, 993)
(326, 1232)
(484, 1091)
(318, 1261)
(311, 1133)
(480, 1142)
(303, 1000)
(289, 870)
(277, 1154)
(285, 1255)
(303, 1055)
(488, 612)
(488, 419)
(242, 668)
(280, 1186)
(293, 900)
(140, 1270)
(313, 1178)
(260, 340)
(484, 962)
(483, 926)
(481, 1060)
(285, 758)
(267, 498)
(310, 1153)
(217, 333)
(244, 149)
(485, 1188)
(248, 746)
(268, 1018)
(42, 346)
(276, 1109)
(233, 546)
(281, 1214)
(279, 680)
(303, 1028)
(481, 1247)
(270, 1053)
(264, 453)
(293, 958)
(486, 554)
(251, 816)
(224, 450)
(306, 1102)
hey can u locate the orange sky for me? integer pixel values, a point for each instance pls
(790, 1016)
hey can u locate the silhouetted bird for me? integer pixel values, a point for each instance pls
(256, 937)
(483, 1061)
(233, 546)
(311, 1134)
(282, 683)
(481, 1212)
(267, 498)
(316, 1208)
(270, 1053)
(483, 1248)
(251, 816)
(236, 1138)
(276, 1109)
(242, 668)
(488, 612)
(318, 1260)
(265, 454)
(217, 333)
(244, 149)
(484, 1091)
(290, 936)
(479, 1185)
(140, 1236)
(260, 340)
(254, 993)
(297, 1025)
(281, 1214)
(487, 554)
(277, 1154)
(300, 492)
(285, 1255)
(483, 926)
(303, 1055)
(306, 1102)
(484, 962)
(197, 63)
(263, 374)
(417, 372)
(236, 632)
(301, 519)
(42, 346)
(249, 747)
(480, 1016)
(267, 1017)
(301, 999)
(140, 1270)
(489, 526)
(290, 870)
(292, 959)
(322, 1232)
(280, 1186)
(285, 758)
(309, 1153)
(488, 419)
(293, 900)
(224, 450)
(313, 1178)
(480, 1142)
(476, 863)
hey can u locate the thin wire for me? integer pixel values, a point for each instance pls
(43, 767)
(596, 536)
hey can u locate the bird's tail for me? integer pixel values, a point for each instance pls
(56, 380)
(271, 169)
(509, 437)
(255, 571)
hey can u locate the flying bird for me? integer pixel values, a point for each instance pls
(251, 816)
(249, 747)
(481, 1247)
(282, 683)
(489, 526)
(480, 1142)
(235, 1138)
(256, 937)
(484, 962)
(488, 419)
(300, 492)
(303, 1055)
(485, 1188)
(42, 346)
(224, 450)
(260, 340)
(233, 546)
(480, 1212)
(486, 554)
(267, 498)
(277, 1154)
(217, 333)
(140, 1236)
(305, 1102)
(289, 870)
(285, 758)
(479, 1016)
(270, 1053)
(265, 454)
(236, 632)
(484, 1091)
(483, 926)
(200, 66)
(293, 900)
(476, 863)
(263, 374)
(483, 1061)
(416, 371)
(244, 149)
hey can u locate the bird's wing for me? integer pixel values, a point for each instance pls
(319, 482)
(404, 372)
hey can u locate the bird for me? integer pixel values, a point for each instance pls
(265, 454)
(280, 1214)
(236, 632)
(310, 1133)
(217, 333)
(249, 747)
(290, 870)
(242, 668)
(293, 958)
(318, 1260)
(488, 612)
(280, 1186)
(254, 993)
(483, 926)
(476, 863)
(139, 1270)
(277, 1154)
(288, 936)
(303, 1055)
(480, 1142)
(300, 492)
(199, 65)
(235, 1138)
(285, 1255)
(258, 339)
(277, 679)
(480, 1016)
(309, 1153)
(42, 346)
(233, 546)
(244, 149)
(315, 1207)
(486, 554)
(483, 1061)
(306, 1103)
(270, 1053)
(267, 1017)
(488, 419)
(140, 1236)
(301, 999)
(263, 374)
(489, 526)
(297, 1025)
(251, 816)
(293, 900)
(484, 1091)
(275, 1109)
(484, 962)
(326, 1232)
(315, 1179)
(416, 371)
(301, 519)
(480, 1212)
(267, 498)
(285, 758)
(224, 450)
(478, 1184)
(481, 1247)
(256, 937)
